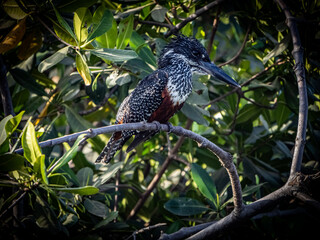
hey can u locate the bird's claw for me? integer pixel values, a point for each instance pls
(169, 126)
(158, 125)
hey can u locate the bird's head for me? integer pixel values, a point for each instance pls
(191, 51)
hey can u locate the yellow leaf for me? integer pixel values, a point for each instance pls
(83, 69)
(13, 37)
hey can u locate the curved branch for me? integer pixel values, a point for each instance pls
(225, 158)
(299, 70)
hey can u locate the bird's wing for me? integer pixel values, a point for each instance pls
(142, 103)
(144, 100)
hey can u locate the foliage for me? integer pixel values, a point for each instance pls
(71, 63)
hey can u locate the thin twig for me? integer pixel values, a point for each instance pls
(214, 30)
(4, 90)
(133, 235)
(239, 51)
(193, 16)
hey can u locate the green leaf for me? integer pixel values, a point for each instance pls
(109, 38)
(125, 30)
(27, 81)
(95, 207)
(81, 20)
(184, 206)
(53, 59)
(279, 48)
(68, 156)
(204, 183)
(248, 113)
(63, 34)
(158, 13)
(195, 113)
(84, 176)
(107, 173)
(30, 144)
(114, 55)
(64, 24)
(10, 162)
(102, 20)
(110, 216)
(144, 52)
(86, 190)
(3, 132)
(83, 69)
(43, 169)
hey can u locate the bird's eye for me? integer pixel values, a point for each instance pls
(197, 54)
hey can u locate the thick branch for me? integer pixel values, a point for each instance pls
(299, 70)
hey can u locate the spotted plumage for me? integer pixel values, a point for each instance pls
(161, 94)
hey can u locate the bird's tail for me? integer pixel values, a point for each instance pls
(115, 143)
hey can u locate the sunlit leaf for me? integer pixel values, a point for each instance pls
(86, 190)
(102, 20)
(81, 21)
(125, 30)
(30, 144)
(83, 69)
(53, 59)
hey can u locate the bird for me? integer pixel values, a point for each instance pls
(160, 95)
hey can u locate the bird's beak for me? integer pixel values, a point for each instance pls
(217, 73)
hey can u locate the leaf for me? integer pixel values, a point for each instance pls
(83, 69)
(53, 59)
(125, 30)
(86, 190)
(110, 216)
(278, 49)
(12, 39)
(3, 132)
(13, 10)
(282, 112)
(95, 207)
(195, 113)
(102, 20)
(31, 43)
(84, 176)
(81, 21)
(109, 38)
(63, 34)
(43, 170)
(158, 13)
(11, 162)
(27, 81)
(144, 52)
(114, 55)
(184, 206)
(68, 156)
(30, 144)
(204, 183)
(107, 174)
(248, 113)
(64, 24)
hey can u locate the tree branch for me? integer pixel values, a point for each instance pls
(4, 90)
(299, 70)
(225, 158)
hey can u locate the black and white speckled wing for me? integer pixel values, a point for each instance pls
(137, 107)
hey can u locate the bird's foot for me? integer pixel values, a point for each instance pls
(169, 126)
(158, 125)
